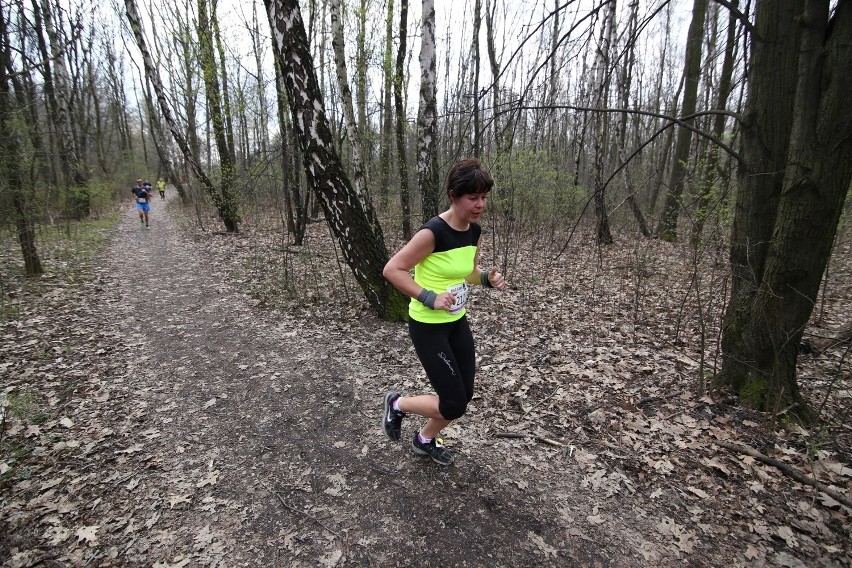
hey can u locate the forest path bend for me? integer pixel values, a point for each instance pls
(258, 434)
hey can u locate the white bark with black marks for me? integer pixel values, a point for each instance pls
(427, 116)
(348, 214)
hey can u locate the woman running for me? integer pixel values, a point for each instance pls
(445, 260)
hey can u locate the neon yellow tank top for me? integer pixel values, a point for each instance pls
(445, 269)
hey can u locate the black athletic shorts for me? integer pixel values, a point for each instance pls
(447, 354)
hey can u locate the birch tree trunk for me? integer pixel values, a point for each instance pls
(796, 173)
(347, 213)
(427, 119)
(359, 184)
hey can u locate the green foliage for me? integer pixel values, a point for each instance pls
(528, 184)
(62, 247)
(712, 199)
(25, 407)
(77, 240)
(93, 234)
(101, 196)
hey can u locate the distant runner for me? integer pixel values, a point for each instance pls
(142, 198)
(161, 187)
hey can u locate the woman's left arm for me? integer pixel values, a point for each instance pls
(478, 276)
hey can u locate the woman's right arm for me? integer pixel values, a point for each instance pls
(398, 269)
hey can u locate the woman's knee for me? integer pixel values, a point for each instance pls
(452, 409)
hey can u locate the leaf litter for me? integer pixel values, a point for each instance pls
(98, 466)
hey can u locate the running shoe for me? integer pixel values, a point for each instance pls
(392, 419)
(434, 449)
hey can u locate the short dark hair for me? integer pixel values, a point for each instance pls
(468, 176)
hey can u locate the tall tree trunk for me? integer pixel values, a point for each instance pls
(227, 115)
(601, 134)
(722, 92)
(427, 119)
(553, 79)
(49, 88)
(117, 100)
(663, 146)
(262, 135)
(361, 69)
(287, 149)
(225, 207)
(624, 102)
(160, 143)
(11, 159)
(100, 153)
(220, 117)
(359, 184)
(189, 60)
(494, 63)
(74, 170)
(474, 96)
(398, 96)
(387, 113)
(692, 74)
(797, 169)
(347, 213)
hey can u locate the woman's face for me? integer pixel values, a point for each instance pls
(470, 206)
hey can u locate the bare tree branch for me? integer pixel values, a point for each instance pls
(674, 120)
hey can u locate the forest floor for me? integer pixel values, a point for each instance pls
(183, 397)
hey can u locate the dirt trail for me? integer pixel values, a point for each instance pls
(250, 442)
(183, 424)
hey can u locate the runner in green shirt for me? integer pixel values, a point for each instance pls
(444, 257)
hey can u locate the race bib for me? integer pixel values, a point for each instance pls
(460, 291)
(141, 200)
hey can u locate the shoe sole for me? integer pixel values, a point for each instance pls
(385, 408)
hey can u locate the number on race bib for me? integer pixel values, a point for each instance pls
(460, 291)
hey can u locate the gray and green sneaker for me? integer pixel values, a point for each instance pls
(434, 449)
(392, 419)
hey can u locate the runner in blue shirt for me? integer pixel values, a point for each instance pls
(142, 198)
